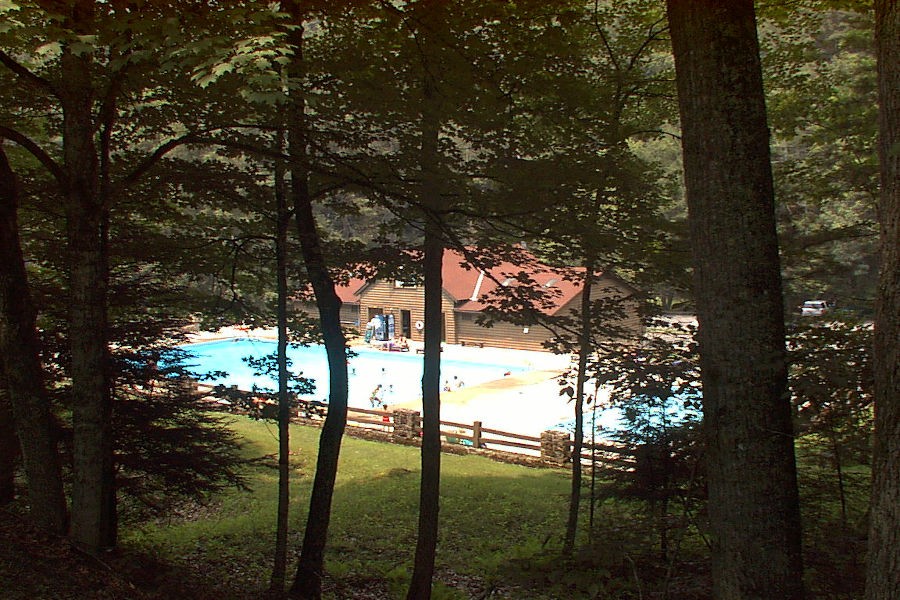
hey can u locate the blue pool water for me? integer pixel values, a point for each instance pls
(652, 415)
(399, 373)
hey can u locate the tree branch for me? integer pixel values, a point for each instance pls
(28, 144)
(154, 157)
(26, 74)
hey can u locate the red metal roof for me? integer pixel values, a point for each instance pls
(471, 288)
(473, 292)
(349, 292)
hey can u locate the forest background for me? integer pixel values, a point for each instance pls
(156, 154)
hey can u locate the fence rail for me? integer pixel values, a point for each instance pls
(476, 436)
(554, 447)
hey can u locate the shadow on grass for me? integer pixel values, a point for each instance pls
(501, 528)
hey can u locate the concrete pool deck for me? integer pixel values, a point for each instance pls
(524, 403)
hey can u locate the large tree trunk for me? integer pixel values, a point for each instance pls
(308, 579)
(21, 372)
(279, 567)
(753, 500)
(883, 568)
(9, 446)
(93, 524)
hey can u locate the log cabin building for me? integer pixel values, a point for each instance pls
(397, 307)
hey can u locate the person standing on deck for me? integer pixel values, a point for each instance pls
(375, 397)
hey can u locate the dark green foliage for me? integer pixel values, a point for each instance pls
(832, 384)
(832, 387)
(170, 447)
(819, 65)
(170, 443)
(656, 390)
(834, 505)
(618, 562)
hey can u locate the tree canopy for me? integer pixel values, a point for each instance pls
(152, 155)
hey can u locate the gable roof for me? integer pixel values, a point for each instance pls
(349, 292)
(471, 288)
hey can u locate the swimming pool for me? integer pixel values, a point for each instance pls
(653, 414)
(398, 373)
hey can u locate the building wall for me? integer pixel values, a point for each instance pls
(350, 315)
(501, 334)
(507, 335)
(628, 321)
(385, 297)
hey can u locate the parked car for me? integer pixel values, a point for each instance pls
(815, 308)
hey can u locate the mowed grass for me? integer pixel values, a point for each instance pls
(491, 513)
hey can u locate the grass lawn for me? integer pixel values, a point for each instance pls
(501, 529)
(492, 515)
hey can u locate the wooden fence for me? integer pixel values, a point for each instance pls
(552, 447)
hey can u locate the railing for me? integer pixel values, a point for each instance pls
(554, 447)
(551, 446)
(473, 435)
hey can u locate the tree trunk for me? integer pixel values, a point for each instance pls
(21, 371)
(584, 350)
(838, 462)
(429, 198)
(308, 579)
(279, 567)
(429, 487)
(9, 446)
(93, 526)
(753, 500)
(883, 564)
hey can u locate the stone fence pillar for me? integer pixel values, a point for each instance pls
(184, 385)
(555, 447)
(407, 423)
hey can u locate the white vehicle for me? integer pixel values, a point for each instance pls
(815, 308)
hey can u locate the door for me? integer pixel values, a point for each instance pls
(405, 324)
